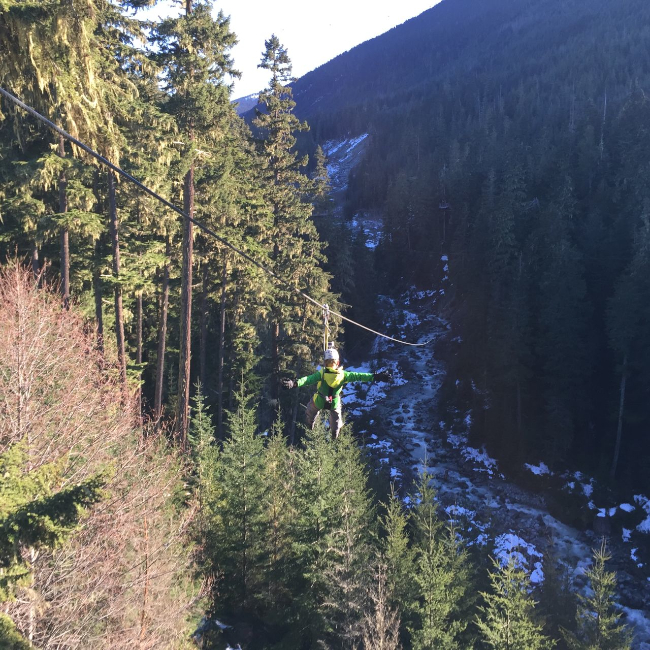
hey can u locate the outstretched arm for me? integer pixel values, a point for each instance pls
(308, 380)
(303, 381)
(367, 376)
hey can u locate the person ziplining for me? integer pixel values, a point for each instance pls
(330, 381)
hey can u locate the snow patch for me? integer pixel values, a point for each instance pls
(456, 440)
(481, 458)
(644, 503)
(539, 470)
(510, 546)
(635, 559)
(537, 576)
(459, 511)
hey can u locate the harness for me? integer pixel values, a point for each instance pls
(326, 391)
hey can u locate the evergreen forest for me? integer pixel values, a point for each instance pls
(511, 136)
(158, 488)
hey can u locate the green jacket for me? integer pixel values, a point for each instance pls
(330, 383)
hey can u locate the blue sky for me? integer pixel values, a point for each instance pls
(312, 32)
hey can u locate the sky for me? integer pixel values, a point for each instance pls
(312, 32)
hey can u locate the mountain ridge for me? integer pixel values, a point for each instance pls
(456, 38)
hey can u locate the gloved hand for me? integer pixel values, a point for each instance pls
(288, 383)
(384, 375)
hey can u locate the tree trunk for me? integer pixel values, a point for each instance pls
(162, 336)
(222, 343)
(97, 290)
(119, 312)
(619, 427)
(65, 238)
(203, 343)
(519, 417)
(275, 359)
(138, 355)
(36, 267)
(183, 402)
(97, 264)
(182, 409)
(31, 626)
(231, 379)
(294, 417)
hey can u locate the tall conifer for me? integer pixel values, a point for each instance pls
(599, 625)
(293, 241)
(238, 531)
(279, 515)
(441, 576)
(507, 619)
(193, 52)
(350, 539)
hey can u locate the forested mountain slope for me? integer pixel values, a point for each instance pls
(511, 136)
(481, 47)
(506, 173)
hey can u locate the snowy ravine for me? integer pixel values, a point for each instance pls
(401, 427)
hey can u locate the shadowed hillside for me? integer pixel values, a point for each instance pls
(509, 135)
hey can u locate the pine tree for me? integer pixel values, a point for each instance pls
(398, 556)
(239, 531)
(321, 185)
(193, 52)
(231, 198)
(78, 83)
(208, 491)
(315, 497)
(507, 619)
(350, 540)
(90, 84)
(599, 626)
(279, 517)
(441, 576)
(201, 437)
(292, 240)
(35, 513)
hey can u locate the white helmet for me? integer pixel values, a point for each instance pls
(331, 354)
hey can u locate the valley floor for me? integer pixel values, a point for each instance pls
(402, 428)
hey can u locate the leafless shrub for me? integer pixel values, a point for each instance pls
(124, 579)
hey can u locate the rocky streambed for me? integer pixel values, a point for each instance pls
(403, 429)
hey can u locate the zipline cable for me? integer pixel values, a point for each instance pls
(326, 331)
(206, 229)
